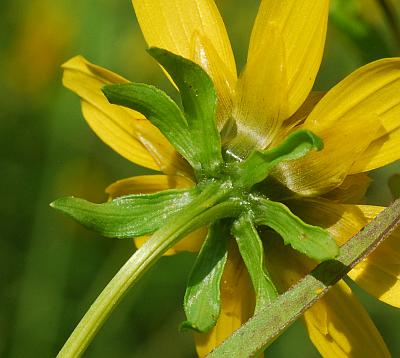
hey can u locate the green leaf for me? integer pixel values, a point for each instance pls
(199, 100)
(312, 241)
(202, 298)
(252, 252)
(254, 336)
(127, 216)
(259, 164)
(160, 110)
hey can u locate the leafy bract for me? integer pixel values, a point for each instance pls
(312, 241)
(199, 100)
(160, 110)
(260, 162)
(252, 252)
(202, 298)
(128, 216)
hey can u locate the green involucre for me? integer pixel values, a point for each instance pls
(224, 190)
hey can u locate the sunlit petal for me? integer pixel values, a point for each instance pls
(369, 90)
(380, 152)
(124, 130)
(302, 25)
(339, 326)
(261, 96)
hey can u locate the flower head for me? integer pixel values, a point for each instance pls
(267, 120)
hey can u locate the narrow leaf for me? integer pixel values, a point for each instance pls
(202, 298)
(264, 327)
(259, 164)
(310, 240)
(160, 110)
(252, 252)
(199, 100)
(127, 216)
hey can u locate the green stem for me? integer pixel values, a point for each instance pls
(205, 209)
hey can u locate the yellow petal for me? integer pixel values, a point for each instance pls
(351, 191)
(320, 172)
(380, 152)
(237, 303)
(146, 184)
(372, 89)
(368, 93)
(298, 117)
(124, 130)
(337, 324)
(379, 273)
(305, 109)
(193, 29)
(261, 96)
(302, 25)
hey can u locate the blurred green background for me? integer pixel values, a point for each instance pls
(50, 268)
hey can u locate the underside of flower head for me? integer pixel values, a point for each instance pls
(243, 153)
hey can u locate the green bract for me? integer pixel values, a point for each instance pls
(225, 197)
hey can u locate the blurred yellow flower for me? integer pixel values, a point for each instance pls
(28, 69)
(358, 120)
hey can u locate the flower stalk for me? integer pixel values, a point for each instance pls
(201, 212)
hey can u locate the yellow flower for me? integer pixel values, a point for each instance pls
(358, 120)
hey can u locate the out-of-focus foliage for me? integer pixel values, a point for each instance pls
(50, 268)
